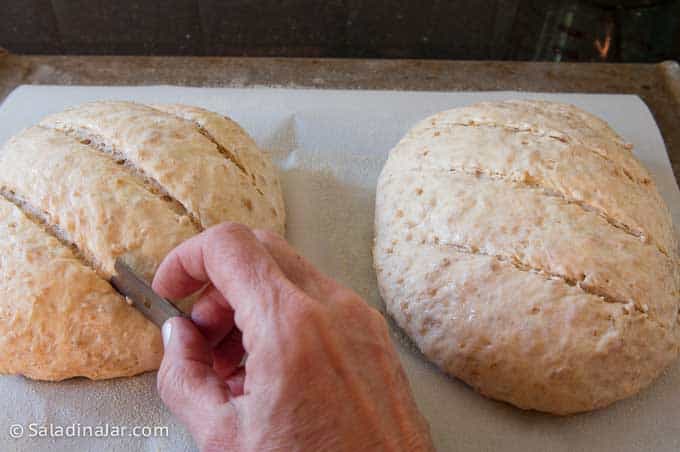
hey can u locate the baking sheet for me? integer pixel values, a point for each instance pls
(330, 146)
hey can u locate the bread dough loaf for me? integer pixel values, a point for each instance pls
(527, 252)
(102, 180)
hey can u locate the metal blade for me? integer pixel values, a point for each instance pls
(154, 307)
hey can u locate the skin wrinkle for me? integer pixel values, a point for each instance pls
(316, 430)
(306, 390)
(333, 350)
(213, 315)
(278, 433)
(259, 276)
(297, 270)
(215, 253)
(269, 357)
(212, 440)
(227, 355)
(273, 310)
(197, 284)
(153, 186)
(170, 377)
(190, 378)
(392, 373)
(398, 408)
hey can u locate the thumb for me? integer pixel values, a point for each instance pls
(188, 384)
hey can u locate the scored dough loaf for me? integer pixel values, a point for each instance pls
(102, 180)
(527, 252)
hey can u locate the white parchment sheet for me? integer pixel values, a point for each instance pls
(330, 146)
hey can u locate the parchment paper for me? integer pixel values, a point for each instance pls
(330, 146)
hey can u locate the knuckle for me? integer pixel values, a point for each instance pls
(347, 298)
(380, 322)
(296, 339)
(267, 236)
(351, 309)
(228, 229)
(377, 317)
(354, 306)
(302, 310)
(376, 322)
(374, 318)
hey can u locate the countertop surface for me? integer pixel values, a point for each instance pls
(331, 146)
(657, 84)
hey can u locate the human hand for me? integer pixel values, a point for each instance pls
(321, 375)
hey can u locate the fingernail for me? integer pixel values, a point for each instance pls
(166, 331)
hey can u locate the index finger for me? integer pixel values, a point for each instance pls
(235, 262)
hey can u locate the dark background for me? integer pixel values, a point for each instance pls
(549, 30)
